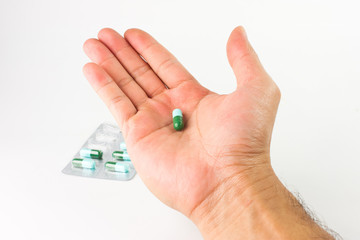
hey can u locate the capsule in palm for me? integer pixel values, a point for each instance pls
(178, 121)
(91, 153)
(117, 167)
(83, 163)
(121, 155)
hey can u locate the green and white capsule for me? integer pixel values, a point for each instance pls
(83, 163)
(178, 121)
(91, 153)
(117, 167)
(121, 155)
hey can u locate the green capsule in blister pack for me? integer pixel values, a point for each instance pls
(103, 155)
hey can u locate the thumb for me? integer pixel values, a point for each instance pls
(243, 59)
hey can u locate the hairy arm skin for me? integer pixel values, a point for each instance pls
(262, 209)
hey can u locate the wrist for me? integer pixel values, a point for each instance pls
(236, 199)
(254, 204)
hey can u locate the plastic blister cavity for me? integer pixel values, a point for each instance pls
(106, 139)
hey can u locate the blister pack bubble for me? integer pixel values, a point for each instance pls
(106, 139)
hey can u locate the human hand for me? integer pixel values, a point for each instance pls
(224, 150)
(224, 135)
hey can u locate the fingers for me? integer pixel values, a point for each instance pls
(102, 56)
(165, 65)
(119, 104)
(132, 62)
(243, 58)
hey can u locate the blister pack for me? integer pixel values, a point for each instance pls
(103, 155)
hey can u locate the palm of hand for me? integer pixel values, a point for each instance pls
(221, 131)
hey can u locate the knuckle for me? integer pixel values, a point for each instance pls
(140, 71)
(165, 65)
(114, 101)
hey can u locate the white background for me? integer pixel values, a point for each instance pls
(47, 109)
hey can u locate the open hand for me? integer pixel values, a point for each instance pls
(225, 136)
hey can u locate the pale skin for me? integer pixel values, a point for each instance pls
(217, 170)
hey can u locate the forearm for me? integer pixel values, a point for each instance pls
(256, 206)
